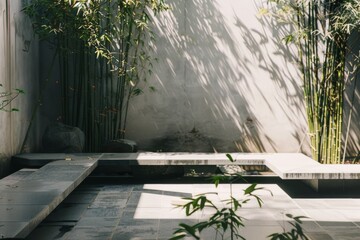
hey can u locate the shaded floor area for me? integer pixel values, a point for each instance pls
(137, 211)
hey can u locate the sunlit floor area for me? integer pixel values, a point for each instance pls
(127, 211)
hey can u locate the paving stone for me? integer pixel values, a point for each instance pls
(328, 224)
(81, 197)
(319, 236)
(93, 233)
(254, 232)
(344, 233)
(357, 224)
(112, 196)
(326, 215)
(129, 218)
(158, 220)
(135, 233)
(103, 212)
(109, 203)
(46, 232)
(67, 212)
(310, 226)
(168, 226)
(98, 222)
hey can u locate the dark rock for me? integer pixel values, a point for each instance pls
(120, 146)
(61, 138)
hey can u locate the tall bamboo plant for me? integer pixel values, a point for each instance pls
(104, 52)
(322, 44)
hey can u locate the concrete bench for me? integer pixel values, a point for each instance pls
(285, 165)
(27, 198)
(288, 166)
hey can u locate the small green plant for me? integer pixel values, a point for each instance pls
(295, 233)
(7, 97)
(226, 219)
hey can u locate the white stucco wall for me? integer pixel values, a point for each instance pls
(18, 69)
(224, 73)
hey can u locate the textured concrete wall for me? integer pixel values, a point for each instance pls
(224, 81)
(18, 69)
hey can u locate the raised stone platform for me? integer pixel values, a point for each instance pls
(285, 165)
(27, 198)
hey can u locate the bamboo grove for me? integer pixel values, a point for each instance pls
(103, 50)
(321, 37)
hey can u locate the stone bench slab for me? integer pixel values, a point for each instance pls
(28, 201)
(147, 158)
(295, 166)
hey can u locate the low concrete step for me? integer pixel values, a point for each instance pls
(25, 202)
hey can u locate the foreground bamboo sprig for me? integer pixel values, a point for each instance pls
(226, 219)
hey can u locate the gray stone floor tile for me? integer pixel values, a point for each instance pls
(168, 226)
(90, 188)
(119, 188)
(98, 222)
(128, 219)
(357, 224)
(259, 232)
(81, 197)
(90, 233)
(259, 222)
(311, 226)
(326, 224)
(109, 200)
(344, 233)
(103, 212)
(52, 232)
(145, 211)
(67, 212)
(319, 236)
(135, 233)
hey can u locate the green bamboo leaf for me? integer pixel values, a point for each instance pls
(230, 157)
(249, 190)
(177, 237)
(288, 39)
(19, 90)
(189, 229)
